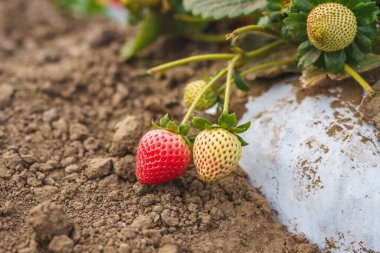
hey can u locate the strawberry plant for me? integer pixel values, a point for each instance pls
(335, 37)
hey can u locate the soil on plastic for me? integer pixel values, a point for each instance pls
(71, 115)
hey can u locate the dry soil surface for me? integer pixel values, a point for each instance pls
(71, 115)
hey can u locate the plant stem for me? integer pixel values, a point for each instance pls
(198, 36)
(261, 67)
(231, 69)
(359, 79)
(268, 65)
(216, 57)
(252, 28)
(260, 51)
(205, 57)
(191, 19)
(210, 84)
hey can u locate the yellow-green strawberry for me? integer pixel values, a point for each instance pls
(331, 27)
(216, 153)
(192, 90)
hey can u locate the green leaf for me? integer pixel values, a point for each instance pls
(147, 34)
(227, 120)
(302, 5)
(364, 43)
(155, 125)
(219, 9)
(334, 61)
(353, 53)
(371, 61)
(201, 123)
(184, 129)
(242, 141)
(240, 82)
(189, 141)
(240, 129)
(309, 58)
(245, 126)
(172, 126)
(164, 121)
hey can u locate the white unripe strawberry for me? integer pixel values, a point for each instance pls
(216, 153)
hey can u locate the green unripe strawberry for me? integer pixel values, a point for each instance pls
(331, 27)
(192, 90)
(216, 153)
(331, 33)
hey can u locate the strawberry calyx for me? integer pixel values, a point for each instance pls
(225, 121)
(171, 126)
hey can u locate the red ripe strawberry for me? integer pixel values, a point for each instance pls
(162, 156)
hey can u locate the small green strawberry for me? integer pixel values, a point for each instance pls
(217, 148)
(192, 90)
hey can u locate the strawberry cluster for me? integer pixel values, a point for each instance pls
(166, 152)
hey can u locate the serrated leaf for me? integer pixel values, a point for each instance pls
(164, 120)
(172, 126)
(245, 126)
(371, 61)
(219, 9)
(201, 123)
(155, 125)
(184, 129)
(240, 82)
(240, 129)
(227, 120)
(334, 61)
(318, 77)
(188, 141)
(147, 34)
(309, 58)
(242, 141)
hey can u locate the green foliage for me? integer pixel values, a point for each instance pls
(225, 121)
(295, 24)
(82, 6)
(218, 9)
(149, 30)
(240, 83)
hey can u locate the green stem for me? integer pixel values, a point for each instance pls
(210, 84)
(260, 51)
(191, 19)
(231, 69)
(268, 65)
(261, 67)
(203, 37)
(216, 57)
(252, 28)
(359, 79)
(205, 57)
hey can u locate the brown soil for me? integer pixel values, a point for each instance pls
(71, 114)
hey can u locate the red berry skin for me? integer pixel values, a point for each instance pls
(161, 157)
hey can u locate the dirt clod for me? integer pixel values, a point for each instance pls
(370, 108)
(61, 244)
(98, 167)
(48, 220)
(6, 92)
(127, 134)
(125, 167)
(169, 248)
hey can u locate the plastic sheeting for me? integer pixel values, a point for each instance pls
(318, 166)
